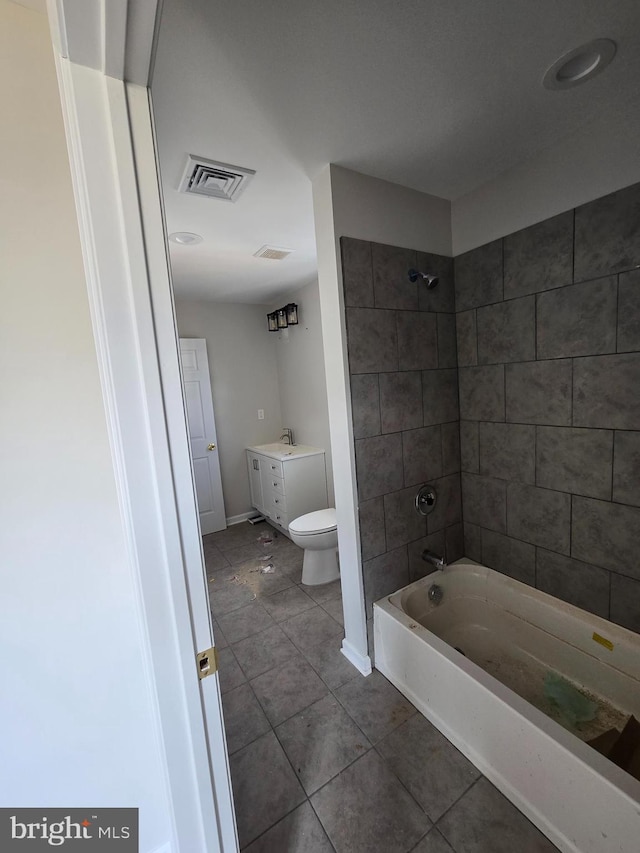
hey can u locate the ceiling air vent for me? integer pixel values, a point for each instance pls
(274, 253)
(214, 180)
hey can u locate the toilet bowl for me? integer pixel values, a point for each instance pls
(317, 533)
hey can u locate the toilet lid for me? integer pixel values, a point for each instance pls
(315, 522)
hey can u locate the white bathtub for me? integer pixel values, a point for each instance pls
(580, 800)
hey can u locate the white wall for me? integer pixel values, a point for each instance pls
(582, 167)
(370, 209)
(76, 718)
(243, 368)
(301, 377)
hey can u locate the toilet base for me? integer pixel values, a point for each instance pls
(320, 567)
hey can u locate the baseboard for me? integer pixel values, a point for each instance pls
(361, 662)
(238, 519)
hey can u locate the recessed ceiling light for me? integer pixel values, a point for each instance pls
(580, 65)
(185, 238)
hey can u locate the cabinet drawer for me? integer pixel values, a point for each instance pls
(275, 503)
(273, 467)
(281, 518)
(276, 484)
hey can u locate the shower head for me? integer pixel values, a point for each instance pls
(430, 280)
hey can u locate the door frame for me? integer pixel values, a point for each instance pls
(103, 51)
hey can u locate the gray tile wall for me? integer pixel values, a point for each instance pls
(548, 329)
(402, 349)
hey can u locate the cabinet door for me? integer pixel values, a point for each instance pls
(255, 480)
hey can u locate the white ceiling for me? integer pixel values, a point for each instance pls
(438, 95)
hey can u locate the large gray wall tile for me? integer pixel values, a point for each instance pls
(384, 574)
(417, 340)
(507, 331)
(539, 516)
(451, 448)
(539, 392)
(391, 285)
(484, 502)
(357, 272)
(507, 451)
(365, 404)
(467, 338)
(442, 297)
(605, 391)
(378, 465)
(454, 538)
(578, 583)
(606, 534)
(482, 393)
(448, 509)
(608, 234)
(575, 460)
(440, 396)
(509, 556)
(478, 276)
(469, 447)
(578, 320)
(372, 340)
(402, 522)
(626, 468)
(472, 541)
(447, 349)
(539, 257)
(625, 602)
(629, 311)
(400, 401)
(422, 454)
(372, 538)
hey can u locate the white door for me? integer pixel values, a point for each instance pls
(202, 434)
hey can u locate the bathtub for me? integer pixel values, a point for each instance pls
(487, 698)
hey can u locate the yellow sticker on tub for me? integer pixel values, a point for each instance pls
(603, 641)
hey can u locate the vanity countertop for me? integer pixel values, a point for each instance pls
(281, 452)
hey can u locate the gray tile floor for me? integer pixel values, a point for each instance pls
(323, 759)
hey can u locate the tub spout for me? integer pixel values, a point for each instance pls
(435, 559)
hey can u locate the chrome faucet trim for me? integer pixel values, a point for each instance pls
(287, 433)
(435, 559)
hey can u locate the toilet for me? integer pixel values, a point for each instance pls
(317, 533)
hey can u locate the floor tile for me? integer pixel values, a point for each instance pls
(324, 591)
(227, 594)
(244, 719)
(245, 552)
(214, 560)
(287, 689)
(366, 809)
(434, 772)
(265, 787)
(311, 628)
(221, 640)
(245, 621)
(283, 605)
(233, 537)
(375, 705)
(433, 842)
(263, 651)
(320, 742)
(298, 832)
(483, 821)
(331, 665)
(230, 673)
(334, 608)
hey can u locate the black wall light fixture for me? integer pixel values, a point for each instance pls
(283, 318)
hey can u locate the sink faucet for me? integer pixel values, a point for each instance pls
(287, 433)
(435, 560)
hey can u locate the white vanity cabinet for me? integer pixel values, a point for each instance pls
(287, 482)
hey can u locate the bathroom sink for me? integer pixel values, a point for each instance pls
(285, 451)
